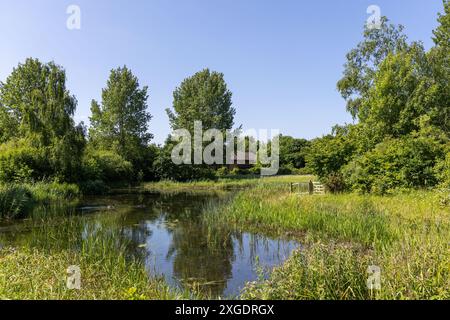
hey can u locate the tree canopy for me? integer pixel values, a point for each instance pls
(120, 122)
(203, 97)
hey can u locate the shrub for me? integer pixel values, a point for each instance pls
(235, 171)
(20, 162)
(335, 183)
(395, 163)
(222, 172)
(107, 166)
(442, 171)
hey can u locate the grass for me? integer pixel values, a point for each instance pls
(39, 270)
(239, 182)
(406, 235)
(16, 199)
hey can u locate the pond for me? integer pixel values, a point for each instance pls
(165, 231)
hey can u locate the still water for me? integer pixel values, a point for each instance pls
(166, 232)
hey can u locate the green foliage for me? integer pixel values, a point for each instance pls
(327, 155)
(406, 162)
(165, 169)
(36, 106)
(400, 94)
(120, 123)
(106, 166)
(363, 61)
(13, 200)
(202, 97)
(442, 33)
(19, 162)
(292, 152)
(222, 172)
(16, 199)
(442, 170)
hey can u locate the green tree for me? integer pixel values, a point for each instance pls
(363, 61)
(37, 107)
(442, 33)
(292, 152)
(328, 154)
(120, 123)
(203, 97)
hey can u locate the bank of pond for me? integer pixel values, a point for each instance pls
(254, 240)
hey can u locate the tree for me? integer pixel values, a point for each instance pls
(442, 33)
(363, 61)
(292, 152)
(36, 107)
(203, 97)
(328, 154)
(120, 123)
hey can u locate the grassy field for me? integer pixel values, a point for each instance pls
(406, 235)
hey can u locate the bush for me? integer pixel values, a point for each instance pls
(235, 171)
(20, 162)
(442, 171)
(395, 163)
(222, 172)
(107, 166)
(335, 183)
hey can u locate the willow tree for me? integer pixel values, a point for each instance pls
(37, 107)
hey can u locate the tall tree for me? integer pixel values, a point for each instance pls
(36, 106)
(203, 97)
(35, 98)
(363, 62)
(442, 33)
(120, 123)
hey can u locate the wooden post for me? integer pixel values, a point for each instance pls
(290, 185)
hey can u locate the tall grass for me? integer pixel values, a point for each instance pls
(273, 210)
(406, 235)
(37, 269)
(243, 182)
(16, 200)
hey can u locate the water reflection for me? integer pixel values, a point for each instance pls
(165, 231)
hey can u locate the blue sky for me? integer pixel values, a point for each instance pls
(281, 59)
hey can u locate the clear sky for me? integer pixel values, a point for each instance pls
(280, 58)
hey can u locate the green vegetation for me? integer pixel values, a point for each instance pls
(393, 162)
(38, 269)
(225, 183)
(399, 93)
(407, 235)
(16, 199)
